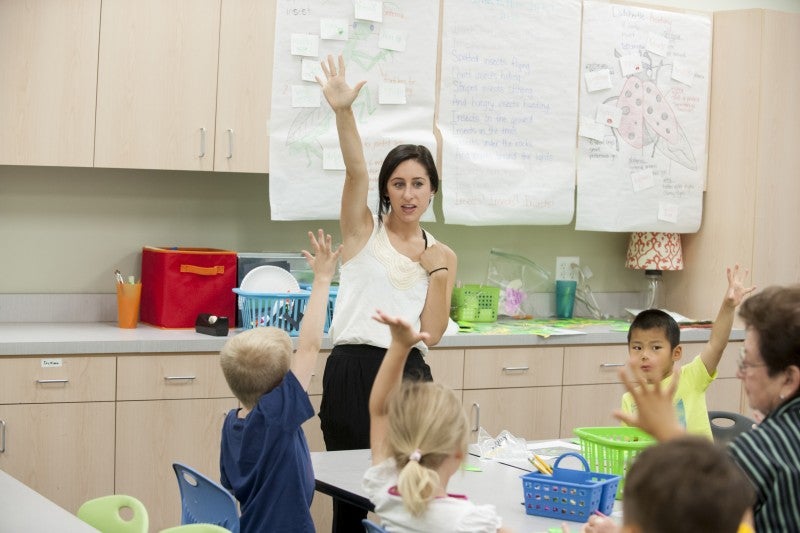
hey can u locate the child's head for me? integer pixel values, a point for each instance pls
(685, 484)
(255, 361)
(654, 344)
(426, 426)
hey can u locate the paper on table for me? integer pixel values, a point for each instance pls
(551, 449)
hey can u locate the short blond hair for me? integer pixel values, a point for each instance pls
(255, 362)
(425, 417)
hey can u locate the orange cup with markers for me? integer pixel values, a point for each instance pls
(129, 296)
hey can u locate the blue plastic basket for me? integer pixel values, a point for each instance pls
(569, 494)
(280, 310)
(332, 293)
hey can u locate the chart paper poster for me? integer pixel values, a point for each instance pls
(643, 124)
(389, 44)
(507, 111)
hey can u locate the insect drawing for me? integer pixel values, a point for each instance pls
(647, 118)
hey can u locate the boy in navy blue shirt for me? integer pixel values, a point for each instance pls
(264, 458)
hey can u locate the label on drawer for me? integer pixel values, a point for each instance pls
(52, 363)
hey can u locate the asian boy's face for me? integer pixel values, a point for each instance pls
(649, 352)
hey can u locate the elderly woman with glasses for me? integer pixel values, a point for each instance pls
(770, 371)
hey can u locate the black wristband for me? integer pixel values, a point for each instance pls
(437, 270)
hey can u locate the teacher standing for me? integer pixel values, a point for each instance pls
(389, 263)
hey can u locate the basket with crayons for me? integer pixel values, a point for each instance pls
(567, 494)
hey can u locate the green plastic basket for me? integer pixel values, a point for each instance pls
(475, 303)
(611, 450)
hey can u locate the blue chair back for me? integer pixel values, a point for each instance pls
(204, 500)
(371, 527)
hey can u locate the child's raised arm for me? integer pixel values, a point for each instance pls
(390, 374)
(323, 263)
(721, 330)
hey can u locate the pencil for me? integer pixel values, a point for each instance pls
(540, 464)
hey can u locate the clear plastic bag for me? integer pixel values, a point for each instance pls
(505, 446)
(518, 279)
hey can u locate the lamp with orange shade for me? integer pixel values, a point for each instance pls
(654, 252)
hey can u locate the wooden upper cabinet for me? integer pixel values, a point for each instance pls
(157, 84)
(48, 57)
(244, 85)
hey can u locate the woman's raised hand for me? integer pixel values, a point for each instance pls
(338, 94)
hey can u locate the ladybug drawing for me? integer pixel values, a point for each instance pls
(648, 119)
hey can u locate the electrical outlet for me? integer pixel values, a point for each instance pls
(564, 268)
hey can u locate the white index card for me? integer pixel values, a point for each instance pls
(309, 68)
(667, 212)
(597, 80)
(682, 72)
(305, 44)
(630, 64)
(333, 29)
(392, 40)
(608, 115)
(642, 179)
(369, 10)
(591, 129)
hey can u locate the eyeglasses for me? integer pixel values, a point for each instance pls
(745, 366)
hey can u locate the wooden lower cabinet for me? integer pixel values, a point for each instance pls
(64, 451)
(589, 406)
(151, 435)
(529, 412)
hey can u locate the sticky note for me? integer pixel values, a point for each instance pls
(304, 44)
(608, 115)
(591, 129)
(369, 10)
(392, 93)
(332, 159)
(642, 179)
(667, 212)
(682, 72)
(309, 68)
(630, 64)
(306, 96)
(392, 40)
(657, 44)
(334, 29)
(597, 80)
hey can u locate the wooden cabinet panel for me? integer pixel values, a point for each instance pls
(594, 364)
(150, 377)
(512, 367)
(157, 84)
(63, 451)
(57, 379)
(589, 406)
(48, 56)
(151, 435)
(530, 412)
(727, 365)
(447, 367)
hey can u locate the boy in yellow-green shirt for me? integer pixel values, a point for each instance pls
(654, 348)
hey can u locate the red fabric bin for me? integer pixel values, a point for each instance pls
(180, 283)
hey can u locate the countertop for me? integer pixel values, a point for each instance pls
(106, 338)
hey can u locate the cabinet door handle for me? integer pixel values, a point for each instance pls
(45, 381)
(507, 369)
(2, 436)
(477, 408)
(230, 144)
(202, 142)
(179, 378)
(611, 365)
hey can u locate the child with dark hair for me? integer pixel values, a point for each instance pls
(654, 348)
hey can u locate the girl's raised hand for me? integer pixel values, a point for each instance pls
(402, 332)
(338, 94)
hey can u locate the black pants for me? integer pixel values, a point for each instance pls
(344, 412)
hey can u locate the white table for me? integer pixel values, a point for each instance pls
(24, 509)
(339, 474)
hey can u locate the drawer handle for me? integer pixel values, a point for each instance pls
(507, 369)
(2, 436)
(180, 378)
(477, 408)
(45, 381)
(611, 365)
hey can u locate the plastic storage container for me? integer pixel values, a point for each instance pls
(281, 310)
(474, 303)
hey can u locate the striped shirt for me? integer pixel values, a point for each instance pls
(770, 456)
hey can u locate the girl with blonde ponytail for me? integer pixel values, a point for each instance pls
(418, 437)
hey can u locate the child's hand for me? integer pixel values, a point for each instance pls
(736, 290)
(402, 332)
(655, 413)
(338, 94)
(324, 260)
(598, 524)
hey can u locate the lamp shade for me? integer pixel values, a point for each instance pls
(654, 251)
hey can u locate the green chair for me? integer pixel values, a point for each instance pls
(103, 513)
(196, 528)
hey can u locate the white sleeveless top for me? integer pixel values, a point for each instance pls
(378, 277)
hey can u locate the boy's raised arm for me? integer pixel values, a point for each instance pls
(309, 341)
(389, 376)
(721, 330)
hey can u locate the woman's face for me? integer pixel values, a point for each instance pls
(763, 392)
(409, 190)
